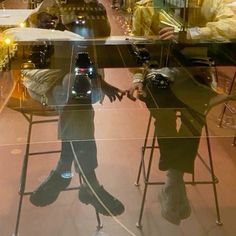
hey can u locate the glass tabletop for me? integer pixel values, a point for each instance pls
(90, 92)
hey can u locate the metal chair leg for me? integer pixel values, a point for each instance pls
(218, 221)
(146, 182)
(23, 176)
(234, 141)
(22, 193)
(82, 179)
(100, 225)
(143, 151)
(225, 106)
(209, 167)
(221, 116)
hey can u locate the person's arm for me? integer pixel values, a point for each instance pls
(142, 18)
(111, 91)
(136, 89)
(222, 24)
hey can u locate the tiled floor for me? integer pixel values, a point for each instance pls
(119, 131)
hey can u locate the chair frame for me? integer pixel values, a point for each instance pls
(227, 107)
(147, 170)
(22, 186)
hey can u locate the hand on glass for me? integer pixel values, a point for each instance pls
(136, 91)
(111, 91)
(167, 33)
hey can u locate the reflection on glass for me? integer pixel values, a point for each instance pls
(76, 129)
(179, 102)
(204, 19)
(79, 89)
(178, 96)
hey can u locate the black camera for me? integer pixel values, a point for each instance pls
(158, 80)
(155, 76)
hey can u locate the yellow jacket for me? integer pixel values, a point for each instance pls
(212, 19)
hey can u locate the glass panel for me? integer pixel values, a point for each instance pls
(88, 89)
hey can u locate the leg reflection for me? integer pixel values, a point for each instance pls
(58, 179)
(76, 129)
(91, 191)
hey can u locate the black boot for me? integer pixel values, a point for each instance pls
(101, 200)
(50, 188)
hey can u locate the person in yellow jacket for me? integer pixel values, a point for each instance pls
(206, 19)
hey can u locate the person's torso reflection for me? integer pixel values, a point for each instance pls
(73, 95)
